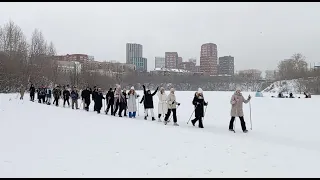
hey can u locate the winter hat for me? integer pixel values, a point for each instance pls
(172, 90)
(200, 90)
(132, 88)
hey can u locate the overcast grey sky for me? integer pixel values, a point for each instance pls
(258, 35)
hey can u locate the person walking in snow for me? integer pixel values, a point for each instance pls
(48, 95)
(148, 102)
(98, 100)
(42, 94)
(32, 91)
(237, 101)
(94, 94)
(172, 106)
(22, 90)
(132, 102)
(110, 101)
(162, 104)
(56, 95)
(119, 100)
(85, 96)
(66, 96)
(142, 101)
(199, 103)
(124, 102)
(74, 97)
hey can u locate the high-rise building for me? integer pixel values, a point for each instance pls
(180, 60)
(226, 65)
(160, 62)
(209, 59)
(133, 50)
(140, 63)
(171, 59)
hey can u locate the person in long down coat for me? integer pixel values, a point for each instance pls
(162, 104)
(22, 90)
(237, 101)
(199, 103)
(148, 102)
(172, 106)
(118, 97)
(98, 100)
(132, 102)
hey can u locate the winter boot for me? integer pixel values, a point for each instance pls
(145, 118)
(153, 119)
(200, 123)
(165, 122)
(193, 122)
(175, 124)
(245, 131)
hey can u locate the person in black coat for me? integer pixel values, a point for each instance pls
(98, 100)
(66, 96)
(110, 101)
(199, 103)
(94, 94)
(148, 102)
(85, 96)
(32, 92)
(124, 102)
(142, 101)
(42, 94)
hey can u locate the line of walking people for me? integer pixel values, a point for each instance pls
(119, 101)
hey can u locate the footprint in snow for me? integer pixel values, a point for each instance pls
(210, 170)
(7, 161)
(117, 153)
(246, 170)
(244, 153)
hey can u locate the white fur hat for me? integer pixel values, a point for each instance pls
(200, 90)
(132, 88)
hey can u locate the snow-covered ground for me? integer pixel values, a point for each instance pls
(38, 140)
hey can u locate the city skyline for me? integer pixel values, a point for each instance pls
(275, 32)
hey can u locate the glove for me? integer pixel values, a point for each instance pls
(138, 95)
(206, 103)
(178, 104)
(173, 102)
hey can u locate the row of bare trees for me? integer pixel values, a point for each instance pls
(22, 60)
(307, 79)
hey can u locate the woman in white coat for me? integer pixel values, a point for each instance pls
(162, 105)
(132, 102)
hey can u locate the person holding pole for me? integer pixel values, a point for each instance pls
(199, 103)
(237, 101)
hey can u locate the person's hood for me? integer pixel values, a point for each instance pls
(200, 91)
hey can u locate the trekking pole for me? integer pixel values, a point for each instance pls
(138, 106)
(250, 114)
(191, 115)
(205, 110)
